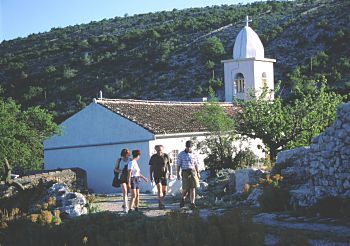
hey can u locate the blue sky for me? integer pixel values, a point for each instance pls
(19, 18)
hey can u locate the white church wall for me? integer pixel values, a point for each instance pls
(92, 139)
(96, 125)
(261, 67)
(98, 161)
(231, 69)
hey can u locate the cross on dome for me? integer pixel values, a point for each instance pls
(248, 43)
(247, 20)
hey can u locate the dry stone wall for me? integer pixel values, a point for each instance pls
(321, 169)
(74, 178)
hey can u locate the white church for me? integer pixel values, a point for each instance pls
(93, 138)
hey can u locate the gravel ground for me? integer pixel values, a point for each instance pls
(149, 205)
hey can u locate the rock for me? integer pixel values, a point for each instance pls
(253, 198)
(203, 185)
(341, 134)
(337, 124)
(346, 127)
(314, 140)
(247, 176)
(347, 140)
(57, 190)
(232, 182)
(346, 184)
(72, 211)
(346, 194)
(314, 147)
(345, 151)
(327, 154)
(345, 107)
(339, 184)
(302, 197)
(71, 204)
(73, 198)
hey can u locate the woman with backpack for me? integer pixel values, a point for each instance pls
(121, 166)
(134, 176)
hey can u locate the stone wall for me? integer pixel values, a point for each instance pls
(321, 169)
(74, 178)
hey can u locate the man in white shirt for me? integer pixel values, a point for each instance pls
(188, 163)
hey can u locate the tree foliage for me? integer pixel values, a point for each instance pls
(22, 133)
(283, 125)
(212, 48)
(218, 144)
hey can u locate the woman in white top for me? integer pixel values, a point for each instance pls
(134, 176)
(121, 167)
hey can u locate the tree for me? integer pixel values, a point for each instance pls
(217, 145)
(22, 133)
(283, 126)
(212, 49)
(69, 73)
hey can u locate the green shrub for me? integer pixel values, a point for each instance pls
(293, 239)
(335, 207)
(136, 229)
(245, 158)
(274, 199)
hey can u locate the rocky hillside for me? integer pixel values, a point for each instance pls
(172, 55)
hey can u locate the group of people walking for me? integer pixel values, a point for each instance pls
(128, 170)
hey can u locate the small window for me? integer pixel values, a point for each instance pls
(239, 81)
(264, 80)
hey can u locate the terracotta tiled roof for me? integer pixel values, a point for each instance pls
(161, 117)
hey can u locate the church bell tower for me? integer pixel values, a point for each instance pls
(249, 69)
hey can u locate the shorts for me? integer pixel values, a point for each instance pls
(123, 178)
(161, 180)
(135, 182)
(190, 179)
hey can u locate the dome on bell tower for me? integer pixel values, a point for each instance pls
(248, 44)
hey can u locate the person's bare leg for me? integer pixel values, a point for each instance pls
(165, 189)
(160, 193)
(193, 195)
(137, 198)
(184, 194)
(125, 196)
(132, 200)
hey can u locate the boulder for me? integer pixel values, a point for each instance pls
(71, 204)
(253, 198)
(247, 176)
(73, 210)
(203, 186)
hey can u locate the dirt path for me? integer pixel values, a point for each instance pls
(148, 204)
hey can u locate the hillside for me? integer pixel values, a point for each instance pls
(171, 55)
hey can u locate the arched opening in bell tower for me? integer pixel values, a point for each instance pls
(239, 83)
